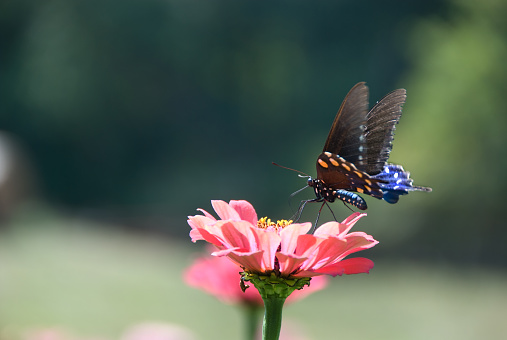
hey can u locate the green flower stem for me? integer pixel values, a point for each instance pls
(273, 307)
(252, 314)
(274, 290)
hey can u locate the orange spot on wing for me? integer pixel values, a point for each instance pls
(346, 167)
(323, 164)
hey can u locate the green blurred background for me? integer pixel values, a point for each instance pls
(120, 118)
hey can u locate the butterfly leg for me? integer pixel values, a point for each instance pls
(297, 214)
(301, 207)
(331, 210)
(345, 204)
(318, 215)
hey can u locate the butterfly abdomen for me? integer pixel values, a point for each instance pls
(396, 182)
(351, 198)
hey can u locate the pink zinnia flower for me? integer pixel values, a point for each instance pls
(284, 248)
(220, 277)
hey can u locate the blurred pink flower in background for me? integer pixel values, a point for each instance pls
(48, 334)
(150, 330)
(143, 331)
(285, 248)
(54, 334)
(291, 330)
(220, 277)
(157, 331)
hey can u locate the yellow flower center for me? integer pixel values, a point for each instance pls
(265, 223)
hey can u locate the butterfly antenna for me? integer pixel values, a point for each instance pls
(284, 167)
(293, 194)
(298, 191)
(296, 215)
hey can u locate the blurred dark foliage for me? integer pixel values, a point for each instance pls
(149, 109)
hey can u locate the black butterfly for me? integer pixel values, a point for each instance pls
(354, 158)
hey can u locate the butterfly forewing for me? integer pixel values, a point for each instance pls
(379, 133)
(347, 135)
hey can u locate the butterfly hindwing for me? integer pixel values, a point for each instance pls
(380, 125)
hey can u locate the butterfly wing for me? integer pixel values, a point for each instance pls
(396, 182)
(380, 125)
(346, 137)
(337, 173)
(357, 148)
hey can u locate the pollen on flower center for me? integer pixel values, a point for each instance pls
(265, 223)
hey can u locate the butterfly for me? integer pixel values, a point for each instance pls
(354, 157)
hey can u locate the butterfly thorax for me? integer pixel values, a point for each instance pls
(322, 192)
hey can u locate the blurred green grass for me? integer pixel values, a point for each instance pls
(93, 280)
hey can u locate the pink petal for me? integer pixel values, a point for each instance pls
(350, 221)
(224, 211)
(246, 240)
(327, 252)
(338, 229)
(207, 214)
(333, 270)
(195, 235)
(290, 234)
(205, 235)
(306, 245)
(328, 229)
(356, 265)
(269, 241)
(252, 261)
(235, 234)
(217, 276)
(199, 221)
(224, 252)
(245, 211)
(289, 263)
(358, 241)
